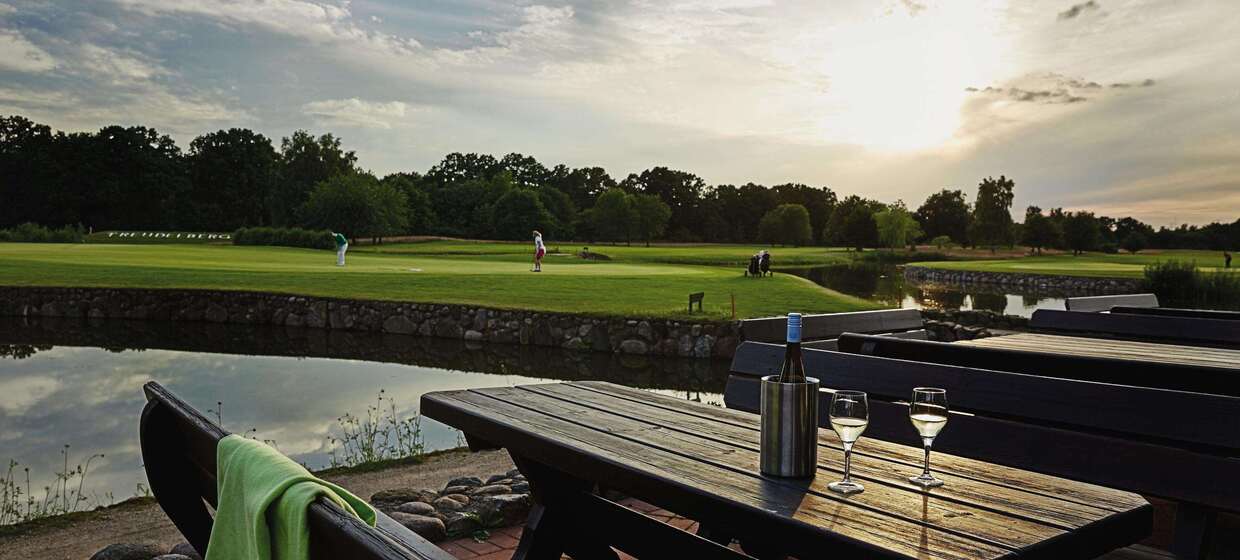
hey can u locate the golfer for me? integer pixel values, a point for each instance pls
(539, 251)
(342, 245)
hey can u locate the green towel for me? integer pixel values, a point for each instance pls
(263, 501)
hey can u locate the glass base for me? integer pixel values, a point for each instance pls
(926, 481)
(845, 487)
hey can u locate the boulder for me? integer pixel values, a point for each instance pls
(416, 508)
(187, 550)
(430, 528)
(462, 498)
(490, 489)
(469, 481)
(385, 499)
(127, 551)
(633, 346)
(445, 504)
(503, 509)
(399, 324)
(461, 524)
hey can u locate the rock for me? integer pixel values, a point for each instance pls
(171, 557)
(513, 473)
(521, 488)
(496, 478)
(399, 324)
(187, 550)
(447, 504)
(416, 508)
(392, 498)
(430, 528)
(127, 551)
(633, 346)
(702, 348)
(460, 524)
(469, 481)
(462, 498)
(473, 336)
(644, 331)
(455, 490)
(490, 489)
(504, 509)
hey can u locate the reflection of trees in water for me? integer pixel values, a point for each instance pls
(938, 299)
(996, 302)
(875, 282)
(501, 359)
(21, 351)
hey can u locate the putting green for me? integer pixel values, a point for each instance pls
(567, 284)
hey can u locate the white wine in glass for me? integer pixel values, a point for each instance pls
(928, 412)
(850, 413)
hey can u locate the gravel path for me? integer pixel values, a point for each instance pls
(146, 523)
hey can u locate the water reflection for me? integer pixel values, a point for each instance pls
(79, 383)
(886, 285)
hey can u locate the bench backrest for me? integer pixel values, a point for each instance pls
(1189, 330)
(1105, 303)
(1175, 312)
(1114, 435)
(178, 452)
(831, 325)
(1179, 377)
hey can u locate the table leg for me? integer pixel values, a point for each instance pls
(550, 529)
(1192, 531)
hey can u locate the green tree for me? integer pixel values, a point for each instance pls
(852, 223)
(1134, 242)
(563, 211)
(420, 218)
(992, 213)
(742, 208)
(896, 226)
(613, 216)
(357, 205)
(817, 201)
(1039, 231)
(306, 161)
(650, 216)
(1081, 232)
(681, 191)
(787, 224)
(518, 212)
(945, 213)
(232, 175)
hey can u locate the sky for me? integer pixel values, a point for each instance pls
(1120, 107)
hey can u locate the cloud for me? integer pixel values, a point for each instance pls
(355, 112)
(1124, 85)
(1078, 9)
(1052, 88)
(19, 54)
(913, 7)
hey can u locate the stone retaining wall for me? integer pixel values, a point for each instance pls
(1042, 283)
(655, 337)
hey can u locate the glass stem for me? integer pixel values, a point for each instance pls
(926, 471)
(848, 462)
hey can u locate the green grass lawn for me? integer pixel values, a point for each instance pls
(699, 254)
(635, 284)
(1088, 264)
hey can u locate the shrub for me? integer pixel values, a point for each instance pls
(35, 233)
(1134, 242)
(284, 237)
(942, 242)
(1181, 284)
(1109, 248)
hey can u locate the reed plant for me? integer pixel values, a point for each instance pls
(20, 503)
(379, 434)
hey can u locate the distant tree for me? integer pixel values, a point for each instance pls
(818, 201)
(613, 216)
(232, 177)
(992, 217)
(357, 205)
(942, 242)
(306, 161)
(525, 170)
(421, 214)
(28, 163)
(582, 185)
(742, 208)
(518, 212)
(1134, 242)
(1129, 225)
(456, 168)
(650, 216)
(464, 208)
(1080, 232)
(896, 226)
(1039, 231)
(681, 191)
(787, 224)
(563, 211)
(945, 213)
(852, 223)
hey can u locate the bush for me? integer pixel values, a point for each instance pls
(942, 242)
(35, 233)
(1134, 242)
(285, 237)
(1110, 248)
(1181, 284)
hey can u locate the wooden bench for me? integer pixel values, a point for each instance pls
(178, 452)
(820, 331)
(696, 298)
(1179, 330)
(1105, 303)
(1116, 436)
(1163, 375)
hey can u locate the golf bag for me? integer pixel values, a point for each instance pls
(754, 266)
(765, 265)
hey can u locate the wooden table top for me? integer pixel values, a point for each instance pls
(1113, 348)
(701, 461)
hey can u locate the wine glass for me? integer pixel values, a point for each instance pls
(850, 413)
(928, 412)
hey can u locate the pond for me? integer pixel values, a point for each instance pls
(885, 284)
(79, 383)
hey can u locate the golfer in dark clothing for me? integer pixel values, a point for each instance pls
(1226, 259)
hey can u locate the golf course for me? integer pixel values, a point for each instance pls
(637, 282)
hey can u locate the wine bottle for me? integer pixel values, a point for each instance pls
(794, 369)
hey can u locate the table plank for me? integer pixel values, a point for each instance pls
(1113, 348)
(1059, 488)
(773, 507)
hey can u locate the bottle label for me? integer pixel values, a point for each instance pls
(794, 327)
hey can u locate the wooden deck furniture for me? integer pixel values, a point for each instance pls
(575, 440)
(1184, 330)
(1114, 435)
(178, 452)
(1105, 303)
(820, 331)
(1122, 362)
(1175, 312)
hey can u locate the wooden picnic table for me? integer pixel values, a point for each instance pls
(575, 441)
(1113, 348)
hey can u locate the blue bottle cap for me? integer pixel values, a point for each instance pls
(794, 327)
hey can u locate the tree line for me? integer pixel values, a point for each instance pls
(136, 178)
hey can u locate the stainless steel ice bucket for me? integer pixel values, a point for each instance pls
(789, 427)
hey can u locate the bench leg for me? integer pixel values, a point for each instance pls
(549, 530)
(1192, 531)
(477, 444)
